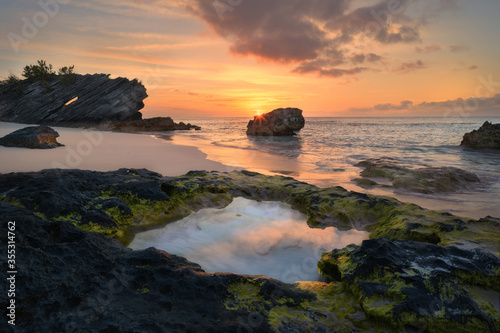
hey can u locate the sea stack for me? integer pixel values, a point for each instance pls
(488, 136)
(280, 122)
(39, 137)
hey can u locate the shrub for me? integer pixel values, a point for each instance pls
(41, 72)
(67, 74)
(12, 78)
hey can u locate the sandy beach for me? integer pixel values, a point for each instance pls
(105, 151)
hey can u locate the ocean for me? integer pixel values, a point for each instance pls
(326, 151)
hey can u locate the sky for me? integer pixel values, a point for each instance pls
(204, 58)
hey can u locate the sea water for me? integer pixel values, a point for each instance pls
(326, 151)
(250, 237)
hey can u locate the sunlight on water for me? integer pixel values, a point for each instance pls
(250, 237)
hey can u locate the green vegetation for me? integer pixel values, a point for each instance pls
(40, 72)
(67, 75)
(44, 73)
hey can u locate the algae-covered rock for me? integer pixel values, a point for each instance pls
(414, 256)
(405, 283)
(422, 180)
(487, 136)
(69, 280)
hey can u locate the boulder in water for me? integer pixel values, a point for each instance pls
(39, 137)
(280, 122)
(488, 136)
(426, 179)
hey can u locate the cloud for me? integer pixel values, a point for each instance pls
(315, 36)
(428, 48)
(473, 67)
(404, 105)
(372, 57)
(469, 104)
(458, 48)
(407, 67)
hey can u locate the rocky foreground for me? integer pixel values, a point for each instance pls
(421, 270)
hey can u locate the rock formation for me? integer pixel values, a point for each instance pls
(40, 137)
(94, 99)
(488, 136)
(422, 180)
(422, 279)
(421, 270)
(280, 122)
(158, 124)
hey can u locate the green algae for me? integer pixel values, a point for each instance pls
(245, 295)
(10, 200)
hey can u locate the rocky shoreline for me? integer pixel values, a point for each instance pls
(422, 270)
(88, 101)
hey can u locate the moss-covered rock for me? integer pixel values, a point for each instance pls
(422, 180)
(381, 284)
(403, 283)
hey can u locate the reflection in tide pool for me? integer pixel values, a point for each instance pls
(250, 237)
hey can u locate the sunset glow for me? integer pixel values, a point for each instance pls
(348, 58)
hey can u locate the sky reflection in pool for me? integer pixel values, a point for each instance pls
(250, 237)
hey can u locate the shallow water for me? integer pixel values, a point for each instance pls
(327, 149)
(250, 237)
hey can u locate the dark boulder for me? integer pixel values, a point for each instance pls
(488, 136)
(40, 137)
(158, 124)
(280, 122)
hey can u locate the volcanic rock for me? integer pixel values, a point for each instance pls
(395, 278)
(40, 137)
(487, 136)
(422, 269)
(69, 280)
(280, 122)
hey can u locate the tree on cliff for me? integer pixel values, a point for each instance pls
(44, 72)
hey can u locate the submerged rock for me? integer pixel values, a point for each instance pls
(87, 101)
(487, 136)
(422, 180)
(280, 122)
(40, 137)
(158, 124)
